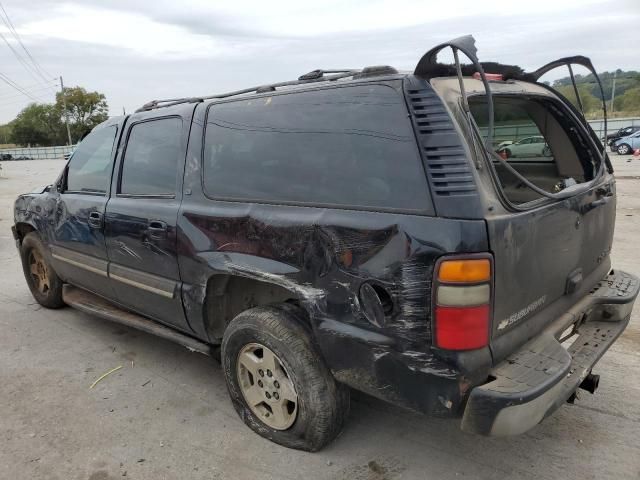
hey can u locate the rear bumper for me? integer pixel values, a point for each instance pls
(537, 379)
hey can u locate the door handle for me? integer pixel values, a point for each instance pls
(157, 229)
(604, 191)
(95, 220)
(597, 203)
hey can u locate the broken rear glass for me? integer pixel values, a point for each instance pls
(539, 140)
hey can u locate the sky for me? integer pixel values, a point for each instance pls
(134, 51)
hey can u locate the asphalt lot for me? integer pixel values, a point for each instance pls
(165, 414)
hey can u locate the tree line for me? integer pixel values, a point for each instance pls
(43, 124)
(627, 92)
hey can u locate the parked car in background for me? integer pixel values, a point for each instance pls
(621, 133)
(503, 144)
(5, 157)
(626, 145)
(348, 229)
(534, 146)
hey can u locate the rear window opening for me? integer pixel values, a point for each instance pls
(540, 140)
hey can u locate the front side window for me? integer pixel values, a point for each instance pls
(350, 146)
(90, 166)
(540, 141)
(151, 158)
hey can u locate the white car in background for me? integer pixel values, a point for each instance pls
(534, 146)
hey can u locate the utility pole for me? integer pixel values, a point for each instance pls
(66, 114)
(613, 90)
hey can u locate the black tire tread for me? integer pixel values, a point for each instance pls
(53, 298)
(285, 325)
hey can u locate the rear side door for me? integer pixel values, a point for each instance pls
(77, 235)
(140, 219)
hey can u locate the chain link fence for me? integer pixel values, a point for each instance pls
(613, 124)
(35, 153)
(502, 133)
(518, 132)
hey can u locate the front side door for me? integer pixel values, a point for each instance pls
(78, 246)
(141, 216)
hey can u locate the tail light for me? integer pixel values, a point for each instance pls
(462, 300)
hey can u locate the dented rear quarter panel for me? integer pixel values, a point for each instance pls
(323, 256)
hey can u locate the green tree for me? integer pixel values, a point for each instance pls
(85, 110)
(590, 103)
(43, 124)
(38, 124)
(629, 102)
(5, 133)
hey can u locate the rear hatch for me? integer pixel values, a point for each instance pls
(549, 194)
(548, 252)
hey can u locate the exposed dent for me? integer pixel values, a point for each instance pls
(122, 246)
(306, 292)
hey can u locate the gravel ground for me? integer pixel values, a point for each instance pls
(165, 414)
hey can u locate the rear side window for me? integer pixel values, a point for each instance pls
(150, 164)
(350, 146)
(91, 164)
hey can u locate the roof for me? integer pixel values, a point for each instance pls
(315, 77)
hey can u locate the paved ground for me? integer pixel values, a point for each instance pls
(165, 414)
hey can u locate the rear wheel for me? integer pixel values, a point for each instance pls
(277, 379)
(44, 283)
(624, 149)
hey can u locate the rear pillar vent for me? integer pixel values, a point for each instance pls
(448, 169)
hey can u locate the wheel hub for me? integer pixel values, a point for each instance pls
(39, 271)
(266, 386)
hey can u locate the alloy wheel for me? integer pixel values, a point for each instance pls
(266, 386)
(39, 271)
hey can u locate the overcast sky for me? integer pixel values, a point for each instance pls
(134, 51)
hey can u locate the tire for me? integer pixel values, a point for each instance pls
(623, 149)
(44, 283)
(546, 151)
(321, 403)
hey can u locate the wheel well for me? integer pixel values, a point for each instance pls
(228, 295)
(23, 229)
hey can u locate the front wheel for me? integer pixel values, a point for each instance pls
(277, 379)
(42, 280)
(624, 149)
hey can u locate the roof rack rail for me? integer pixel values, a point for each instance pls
(311, 77)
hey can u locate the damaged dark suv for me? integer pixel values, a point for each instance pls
(350, 229)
